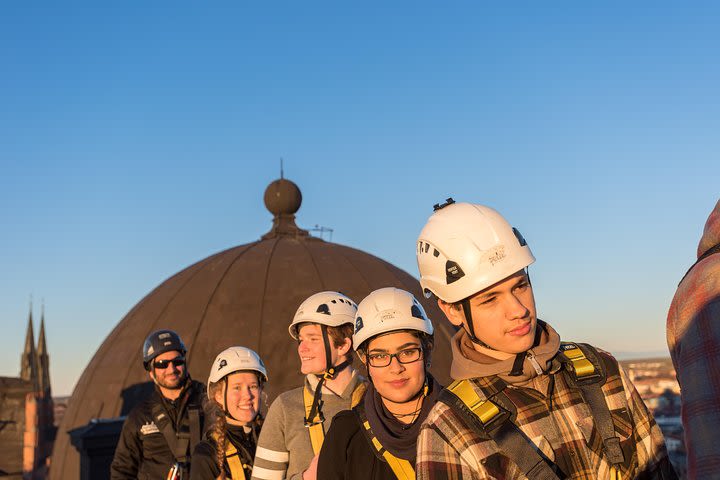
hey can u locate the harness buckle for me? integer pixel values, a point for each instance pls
(583, 370)
(309, 423)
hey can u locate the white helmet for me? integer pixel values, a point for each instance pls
(326, 308)
(387, 310)
(235, 359)
(465, 248)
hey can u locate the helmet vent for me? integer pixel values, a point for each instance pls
(324, 309)
(435, 252)
(416, 312)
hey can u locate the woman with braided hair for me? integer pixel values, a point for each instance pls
(234, 390)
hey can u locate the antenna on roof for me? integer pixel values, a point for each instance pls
(281, 168)
(322, 230)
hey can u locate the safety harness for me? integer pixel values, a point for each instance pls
(185, 434)
(239, 470)
(314, 417)
(402, 469)
(493, 415)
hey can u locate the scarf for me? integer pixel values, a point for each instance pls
(398, 438)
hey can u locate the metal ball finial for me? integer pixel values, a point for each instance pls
(282, 197)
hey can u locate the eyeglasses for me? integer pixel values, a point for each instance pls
(163, 364)
(408, 355)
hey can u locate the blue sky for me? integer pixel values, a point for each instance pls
(136, 140)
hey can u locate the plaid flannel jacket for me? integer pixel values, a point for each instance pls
(559, 424)
(693, 335)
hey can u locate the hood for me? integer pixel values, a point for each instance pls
(468, 362)
(711, 233)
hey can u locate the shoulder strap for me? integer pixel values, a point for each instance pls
(232, 457)
(402, 469)
(588, 373)
(492, 421)
(178, 445)
(194, 412)
(314, 419)
(358, 394)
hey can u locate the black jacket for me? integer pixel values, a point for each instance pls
(142, 452)
(205, 454)
(346, 453)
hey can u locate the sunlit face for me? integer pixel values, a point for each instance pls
(311, 349)
(397, 383)
(503, 315)
(173, 376)
(243, 397)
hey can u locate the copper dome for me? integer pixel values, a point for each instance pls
(246, 295)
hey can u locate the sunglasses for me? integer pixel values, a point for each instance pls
(163, 364)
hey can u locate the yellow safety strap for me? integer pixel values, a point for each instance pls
(582, 366)
(358, 394)
(485, 410)
(317, 433)
(615, 474)
(237, 469)
(316, 430)
(402, 469)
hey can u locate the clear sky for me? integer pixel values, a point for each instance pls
(137, 138)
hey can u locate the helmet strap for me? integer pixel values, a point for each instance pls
(517, 368)
(469, 327)
(330, 373)
(331, 370)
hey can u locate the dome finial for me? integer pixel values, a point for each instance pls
(283, 200)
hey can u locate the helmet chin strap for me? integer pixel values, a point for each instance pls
(330, 373)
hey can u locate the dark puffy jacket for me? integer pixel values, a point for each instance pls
(142, 452)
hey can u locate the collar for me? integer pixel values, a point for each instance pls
(311, 381)
(468, 362)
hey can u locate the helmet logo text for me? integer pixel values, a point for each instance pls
(498, 256)
(453, 272)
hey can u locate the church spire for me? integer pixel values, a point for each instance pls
(43, 359)
(28, 361)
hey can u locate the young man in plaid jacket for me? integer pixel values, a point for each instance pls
(523, 404)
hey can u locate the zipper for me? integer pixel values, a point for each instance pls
(534, 363)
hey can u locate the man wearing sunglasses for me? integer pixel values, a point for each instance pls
(160, 432)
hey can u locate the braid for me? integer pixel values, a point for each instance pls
(218, 427)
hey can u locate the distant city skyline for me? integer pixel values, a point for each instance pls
(139, 139)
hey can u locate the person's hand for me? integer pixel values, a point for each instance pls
(311, 472)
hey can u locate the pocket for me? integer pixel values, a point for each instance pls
(154, 445)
